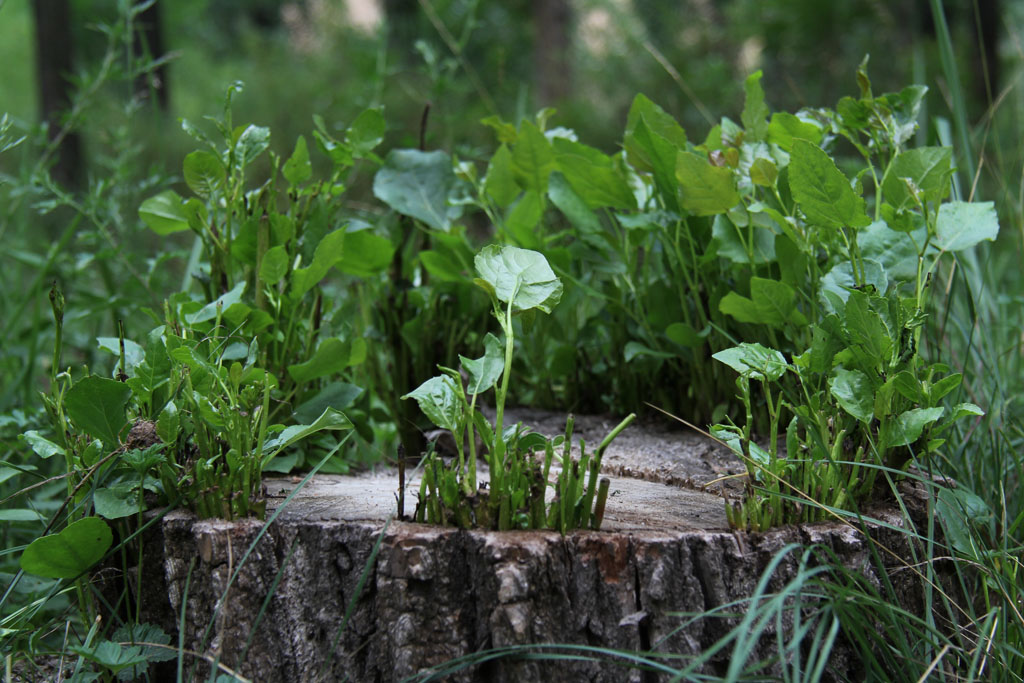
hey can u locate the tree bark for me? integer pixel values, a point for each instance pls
(53, 66)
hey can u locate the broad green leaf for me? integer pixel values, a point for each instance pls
(117, 501)
(274, 265)
(366, 132)
(839, 281)
(929, 169)
(786, 128)
(909, 425)
(532, 158)
(168, 424)
(204, 173)
(754, 361)
(438, 398)
(755, 111)
(652, 141)
(763, 172)
(417, 184)
(908, 385)
(704, 189)
(732, 246)
(962, 514)
(572, 205)
(41, 446)
(523, 217)
(253, 141)
(69, 553)
(821, 189)
(519, 276)
(112, 656)
(632, 349)
(895, 251)
(944, 386)
(329, 420)
(20, 515)
(331, 357)
(852, 390)
(684, 335)
(500, 182)
(164, 213)
(365, 254)
(328, 252)
(133, 352)
(772, 303)
(96, 405)
(337, 395)
(593, 176)
(442, 267)
(209, 311)
(961, 225)
(297, 169)
(485, 371)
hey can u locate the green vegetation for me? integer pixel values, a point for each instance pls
(817, 284)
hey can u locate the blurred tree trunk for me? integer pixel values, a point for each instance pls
(53, 66)
(403, 26)
(148, 45)
(551, 21)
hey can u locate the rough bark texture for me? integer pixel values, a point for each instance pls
(436, 594)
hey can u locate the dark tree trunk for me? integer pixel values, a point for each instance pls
(551, 20)
(148, 44)
(987, 17)
(53, 64)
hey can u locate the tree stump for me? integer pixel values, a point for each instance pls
(301, 598)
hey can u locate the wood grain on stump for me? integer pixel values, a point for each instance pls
(436, 594)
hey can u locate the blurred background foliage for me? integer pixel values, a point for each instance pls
(467, 59)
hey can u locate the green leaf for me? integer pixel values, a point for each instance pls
(572, 205)
(532, 158)
(96, 406)
(164, 213)
(786, 128)
(366, 132)
(204, 172)
(500, 182)
(593, 176)
(117, 501)
(632, 349)
(328, 252)
(331, 357)
(274, 265)
(329, 420)
(133, 352)
(840, 280)
(653, 136)
(519, 276)
(909, 425)
(821, 189)
(928, 168)
(442, 267)
(853, 391)
(69, 553)
(705, 189)
(417, 184)
(438, 398)
(41, 446)
(772, 303)
(365, 254)
(111, 655)
(168, 423)
(763, 172)
(253, 141)
(485, 371)
(895, 251)
(962, 513)
(337, 395)
(731, 245)
(754, 361)
(961, 225)
(755, 111)
(524, 217)
(20, 515)
(209, 311)
(297, 169)
(684, 335)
